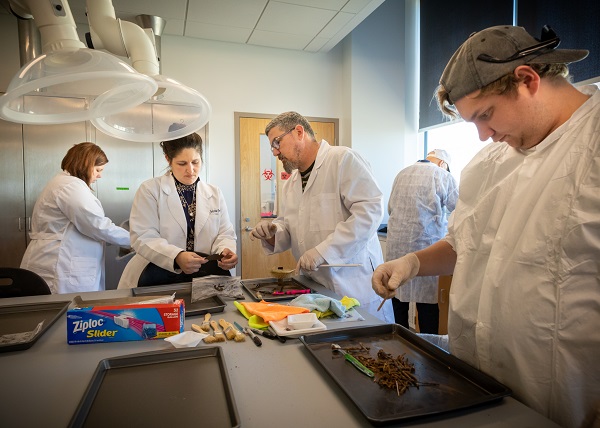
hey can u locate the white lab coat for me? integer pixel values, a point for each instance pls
(525, 297)
(68, 234)
(421, 196)
(339, 214)
(159, 228)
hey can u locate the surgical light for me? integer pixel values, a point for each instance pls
(68, 69)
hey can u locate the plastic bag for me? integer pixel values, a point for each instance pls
(224, 286)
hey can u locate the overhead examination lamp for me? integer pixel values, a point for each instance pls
(172, 103)
(66, 69)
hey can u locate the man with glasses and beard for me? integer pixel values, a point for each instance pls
(524, 239)
(330, 210)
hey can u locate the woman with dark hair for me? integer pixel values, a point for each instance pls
(177, 221)
(69, 228)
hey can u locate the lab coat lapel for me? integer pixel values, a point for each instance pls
(201, 207)
(173, 202)
(321, 154)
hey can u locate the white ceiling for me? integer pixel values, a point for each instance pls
(306, 25)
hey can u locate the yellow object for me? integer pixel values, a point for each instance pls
(254, 321)
(348, 302)
(272, 311)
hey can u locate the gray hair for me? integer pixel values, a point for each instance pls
(289, 120)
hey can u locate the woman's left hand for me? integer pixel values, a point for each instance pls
(229, 259)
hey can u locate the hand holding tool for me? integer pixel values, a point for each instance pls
(209, 256)
(352, 360)
(391, 275)
(263, 230)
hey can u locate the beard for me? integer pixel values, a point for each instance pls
(288, 165)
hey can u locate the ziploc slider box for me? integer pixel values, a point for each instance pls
(123, 319)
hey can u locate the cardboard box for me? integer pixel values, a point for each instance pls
(124, 319)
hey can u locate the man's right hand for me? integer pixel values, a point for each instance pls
(391, 275)
(264, 230)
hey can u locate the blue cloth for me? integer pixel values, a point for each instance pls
(320, 303)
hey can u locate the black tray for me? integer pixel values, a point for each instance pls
(460, 386)
(264, 285)
(183, 291)
(179, 388)
(26, 317)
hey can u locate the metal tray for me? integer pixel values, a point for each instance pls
(183, 291)
(28, 317)
(185, 387)
(253, 286)
(459, 386)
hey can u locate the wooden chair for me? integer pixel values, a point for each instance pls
(17, 282)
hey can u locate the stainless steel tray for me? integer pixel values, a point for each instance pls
(179, 388)
(25, 323)
(183, 291)
(266, 285)
(458, 385)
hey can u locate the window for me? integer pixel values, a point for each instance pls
(460, 140)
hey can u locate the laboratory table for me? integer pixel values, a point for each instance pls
(275, 385)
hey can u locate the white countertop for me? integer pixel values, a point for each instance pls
(275, 385)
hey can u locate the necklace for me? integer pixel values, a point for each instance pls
(187, 191)
(187, 196)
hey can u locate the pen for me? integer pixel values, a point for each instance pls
(264, 333)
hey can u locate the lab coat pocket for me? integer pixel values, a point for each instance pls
(82, 276)
(324, 212)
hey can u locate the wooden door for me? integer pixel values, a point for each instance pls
(254, 262)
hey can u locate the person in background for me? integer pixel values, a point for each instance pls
(330, 210)
(422, 195)
(68, 226)
(176, 216)
(524, 239)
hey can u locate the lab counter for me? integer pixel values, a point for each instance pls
(277, 384)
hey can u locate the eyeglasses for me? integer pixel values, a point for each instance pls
(276, 140)
(549, 40)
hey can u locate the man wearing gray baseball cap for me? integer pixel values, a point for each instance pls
(523, 243)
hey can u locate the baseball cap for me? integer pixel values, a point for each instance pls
(441, 155)
(489, 54)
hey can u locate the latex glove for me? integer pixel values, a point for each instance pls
(263, 230)
(310, 260)
(391, 275)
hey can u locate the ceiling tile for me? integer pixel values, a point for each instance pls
(233, 13)
(222, 33)
(336, 24)
(288, 18)
(311, 25)
(316, 44)
(279, 40)
(319, 4)
(355, 6)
